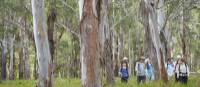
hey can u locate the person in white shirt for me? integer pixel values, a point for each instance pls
(182, 70)
(140, 70)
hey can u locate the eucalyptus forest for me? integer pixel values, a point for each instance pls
(95, 43)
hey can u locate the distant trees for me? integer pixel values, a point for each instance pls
(3, 58)
(11, 48)
(107, 30)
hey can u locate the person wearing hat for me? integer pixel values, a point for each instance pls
(125, 59)
(124, 74)
(140, 70)
(149, 70)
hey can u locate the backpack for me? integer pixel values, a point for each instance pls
(185, 67)
(168, 65)
(139, 69)
(124, 72)
(148, 66)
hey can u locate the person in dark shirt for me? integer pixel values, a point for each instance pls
(124, 72)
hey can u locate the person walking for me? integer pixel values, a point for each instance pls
(170, 68)
(124, 74)
(182, 71)
(175, 68)
(140, 70)
(149, 70)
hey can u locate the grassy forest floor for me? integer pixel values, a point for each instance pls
(194, 81)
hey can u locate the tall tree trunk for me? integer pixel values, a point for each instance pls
(25, 50)
(41, 42)
(3, 59)
(51, 24)
(121, 43)
(184, 33)
(129, 53)
(152, 31)
(21, 64)
(35, 65)
(106, 42)
(11, 47)
(89, 27)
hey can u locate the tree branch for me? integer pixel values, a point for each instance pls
(69, 30)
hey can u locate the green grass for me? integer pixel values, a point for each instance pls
(193, 82)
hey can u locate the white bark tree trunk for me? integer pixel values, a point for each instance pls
(41, 42)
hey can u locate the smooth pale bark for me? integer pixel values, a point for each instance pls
(11, 48)
(80, 4)
(41, 42)
(164, 31)
(3, 59)
(152, 32)
(89, 27)
(164, 38)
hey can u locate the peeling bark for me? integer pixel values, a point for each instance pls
(89, 26)
(150, 16)
(106, 42)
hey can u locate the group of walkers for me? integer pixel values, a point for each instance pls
(145, 71)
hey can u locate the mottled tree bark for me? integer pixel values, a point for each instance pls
(89, 27)
(150, 17)
(106, 42)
